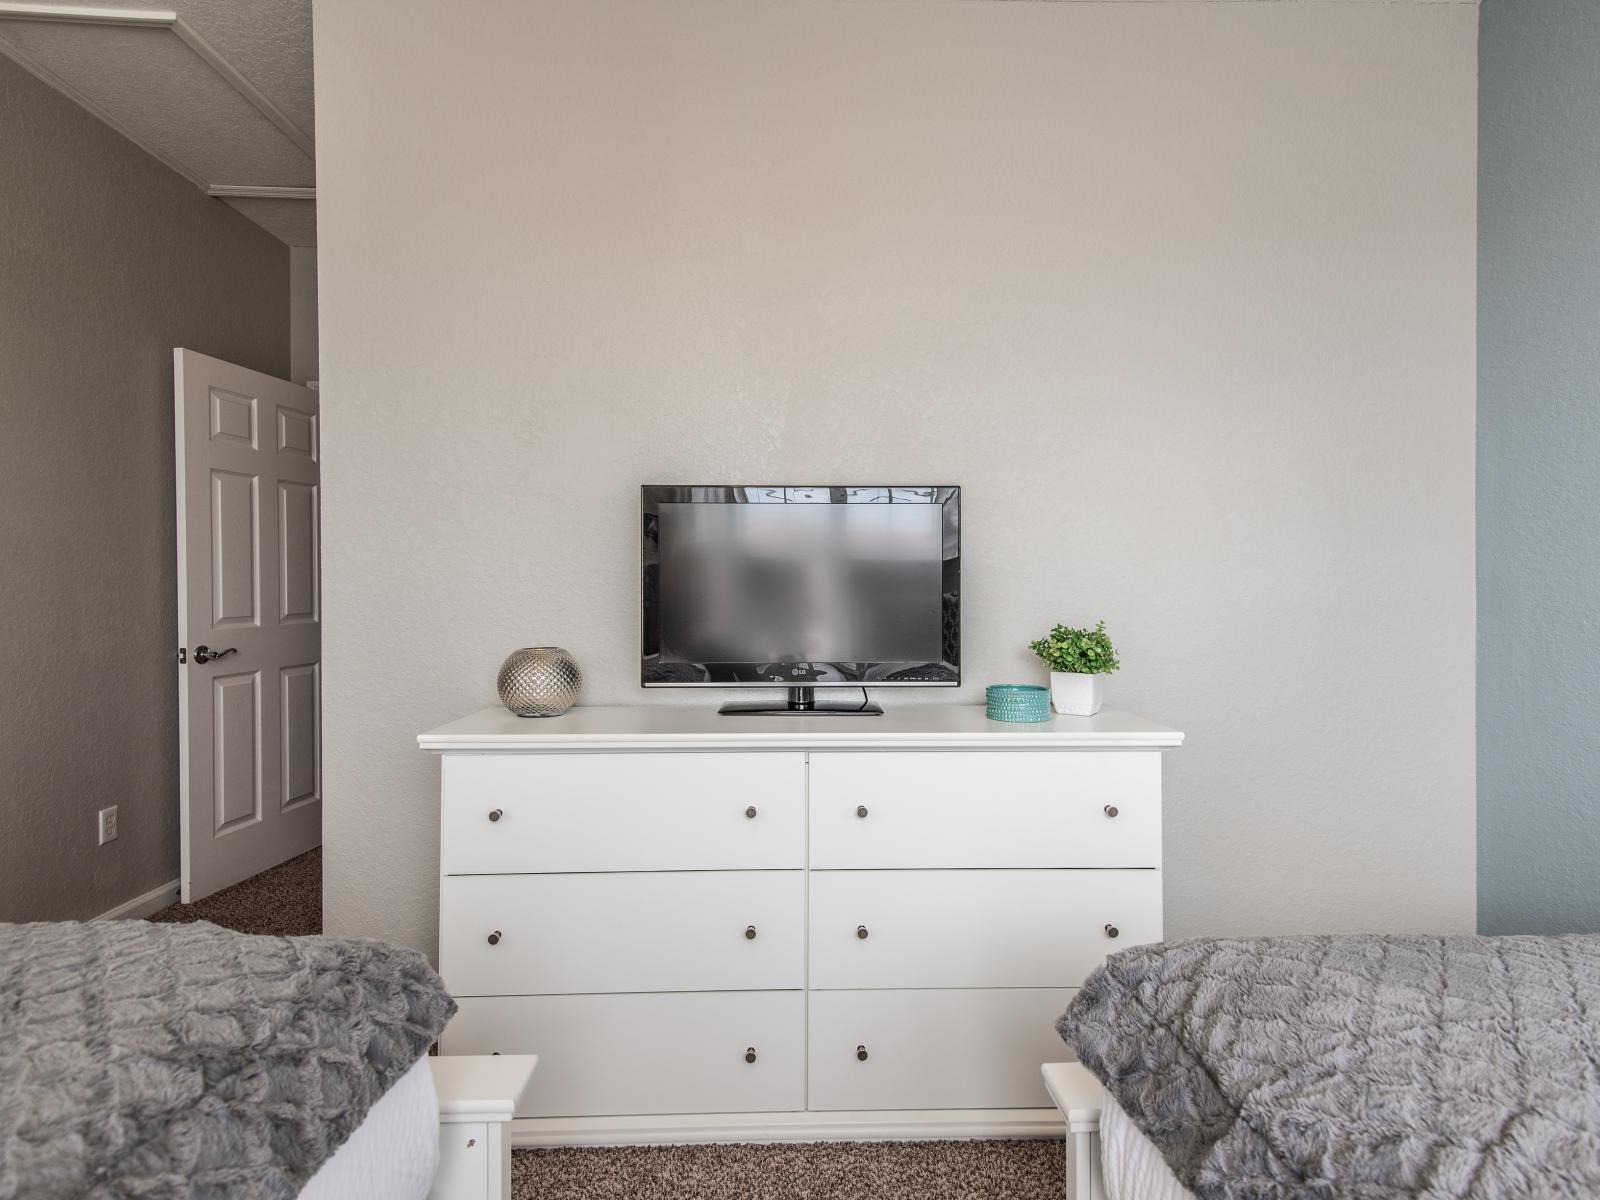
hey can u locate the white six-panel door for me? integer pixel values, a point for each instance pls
(249, 721)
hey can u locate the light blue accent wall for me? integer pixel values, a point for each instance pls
(1539, 466)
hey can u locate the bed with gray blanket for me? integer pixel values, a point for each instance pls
(142, 1060)
(1371, 1066)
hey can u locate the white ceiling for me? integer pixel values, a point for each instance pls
(219, 90)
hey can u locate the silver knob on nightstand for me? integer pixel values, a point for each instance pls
(750, 1054)
(496, 815)
(1111, 931)
(861, 1054)
(751, 811)
(494, 938)
(750, 933)
(861, 932)
(861, 810)
(1111, 810)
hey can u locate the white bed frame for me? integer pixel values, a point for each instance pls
(477, 1096)
(1077, 1094)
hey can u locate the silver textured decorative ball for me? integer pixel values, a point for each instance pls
(539, 681)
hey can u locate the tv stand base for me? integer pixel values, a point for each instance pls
(802, 702)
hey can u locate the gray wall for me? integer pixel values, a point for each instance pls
(107, 261)
(1539, 467)
(1182, 293)
(303, 313)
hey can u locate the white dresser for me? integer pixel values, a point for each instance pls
(751, 928)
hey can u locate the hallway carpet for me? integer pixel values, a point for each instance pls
(284, 901)
(287, 900)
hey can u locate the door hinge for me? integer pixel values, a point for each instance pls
(183, 654)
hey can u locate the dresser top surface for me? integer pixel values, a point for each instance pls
(697, 727)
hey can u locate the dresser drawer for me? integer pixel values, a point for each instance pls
(933, 1049)
(619, 1055)
(986, 809)
(622, 812)
(688, 931)
(953, 929)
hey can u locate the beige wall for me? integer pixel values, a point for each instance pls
(1182, 294)
(108, 260)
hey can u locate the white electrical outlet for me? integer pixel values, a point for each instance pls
(108, 824)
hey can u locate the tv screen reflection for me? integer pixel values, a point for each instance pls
(757, 583)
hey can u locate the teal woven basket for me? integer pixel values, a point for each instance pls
(1018, 702)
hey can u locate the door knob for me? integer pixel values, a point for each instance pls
(861, 932)
(205, 654)
(1111, 931)
(1111, 810)
(861, 1054)
(750, 1054)
(751, 811)
(496, 815)
(750, 933)
(494, 938)
(861, 810)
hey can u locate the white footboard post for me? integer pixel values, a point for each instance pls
(1084, 1125)
(1077, 1094)
(478, 1096)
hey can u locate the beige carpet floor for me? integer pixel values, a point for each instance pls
(287, 900)
(820, 1171)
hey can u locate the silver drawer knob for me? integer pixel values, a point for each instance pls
(750, 933)
(750, 812)
(1111, 931)
(750, 1054)
(494, 938)
(861, 810)
(861, 1054)
(861, 932)
(1111, 810)
(496, 815)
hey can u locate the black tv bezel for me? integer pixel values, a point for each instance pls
(944, 673)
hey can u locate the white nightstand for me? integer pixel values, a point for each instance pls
(477, 1096)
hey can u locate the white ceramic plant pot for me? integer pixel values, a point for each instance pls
(1075, 695)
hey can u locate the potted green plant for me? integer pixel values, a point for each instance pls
(1079, 661)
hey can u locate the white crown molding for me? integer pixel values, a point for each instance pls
(83, 14)
(230, 73)
(247, 191)
(140, 18)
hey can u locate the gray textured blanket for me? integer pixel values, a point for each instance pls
(1356, 1066)
(186, 1061)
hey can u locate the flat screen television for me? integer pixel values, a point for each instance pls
(801, 588)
